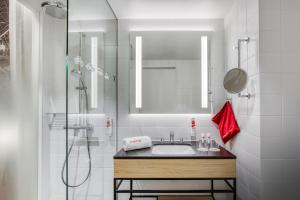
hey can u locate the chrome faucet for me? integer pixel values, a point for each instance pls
(172, 136)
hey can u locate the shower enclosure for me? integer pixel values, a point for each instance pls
(79, 62)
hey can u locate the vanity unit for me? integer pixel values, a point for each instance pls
(164, 162)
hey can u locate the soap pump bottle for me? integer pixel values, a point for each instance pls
(202, 141)
(208, 140)
(109, 126)
(193, 129)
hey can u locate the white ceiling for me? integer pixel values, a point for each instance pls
(171, 9)
(149, 9)
(89, 10)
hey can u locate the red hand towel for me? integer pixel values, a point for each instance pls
(226, 122)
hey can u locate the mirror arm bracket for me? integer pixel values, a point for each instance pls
(240, 41)
(246, 95)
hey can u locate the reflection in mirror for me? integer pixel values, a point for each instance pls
(86, 57)
(169, 72)
(92, 50)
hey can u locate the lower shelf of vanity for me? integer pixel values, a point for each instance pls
(170, 197)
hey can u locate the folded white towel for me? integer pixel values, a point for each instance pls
(136, 143)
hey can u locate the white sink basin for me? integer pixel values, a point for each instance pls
(172, 150)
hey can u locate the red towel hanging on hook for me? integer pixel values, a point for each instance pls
(226, 122)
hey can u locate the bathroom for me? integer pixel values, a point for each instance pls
(80, 78)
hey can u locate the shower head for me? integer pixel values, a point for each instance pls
(55, 9)
(76, 73)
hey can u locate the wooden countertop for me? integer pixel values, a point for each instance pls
(147, 154)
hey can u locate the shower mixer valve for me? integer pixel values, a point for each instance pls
(88, 127)
(81, 88)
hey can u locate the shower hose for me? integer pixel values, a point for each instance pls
(71, 147)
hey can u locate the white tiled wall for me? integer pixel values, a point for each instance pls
(240, 22)
(280, 71)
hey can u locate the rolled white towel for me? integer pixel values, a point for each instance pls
(136, 143)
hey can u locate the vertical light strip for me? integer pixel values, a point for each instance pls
(204, 71)
(94, 72)
(138, 72)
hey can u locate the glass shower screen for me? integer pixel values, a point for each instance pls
(91, 101)
(79, 48)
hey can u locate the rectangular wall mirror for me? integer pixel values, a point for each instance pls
(170, 72)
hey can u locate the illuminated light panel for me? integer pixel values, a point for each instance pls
(204, 72)
(138, 72)
(94, 72)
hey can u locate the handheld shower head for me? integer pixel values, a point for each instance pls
(76, 73)
(55, 9)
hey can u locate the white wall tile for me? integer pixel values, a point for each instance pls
(269, 42)
(253, 125)
(272, 170)
(272, 148)
(289, 40)
(253, 67)
(270, 5)
(254, 187)
(270, 83)
(254, 105)
(273, 190)
(292, 189)
(290, 5)
(271, 104)
(270, 20)
(291, 105)
(252, 146)
(271, 126)
(290, 126)
(291, 62)
(291, 170)
(270, 63)
(289, 82)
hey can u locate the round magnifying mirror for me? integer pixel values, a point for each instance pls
(235, 80)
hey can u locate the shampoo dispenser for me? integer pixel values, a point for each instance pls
(193, 129)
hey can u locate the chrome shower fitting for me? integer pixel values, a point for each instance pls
(55, 9)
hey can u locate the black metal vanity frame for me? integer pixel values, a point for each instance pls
(130, 166)
(148, 193)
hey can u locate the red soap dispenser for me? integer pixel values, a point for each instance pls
(193, 129)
